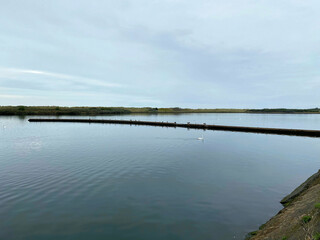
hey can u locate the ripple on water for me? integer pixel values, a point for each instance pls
(73, 181)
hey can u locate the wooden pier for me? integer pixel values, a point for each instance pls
(278, 131)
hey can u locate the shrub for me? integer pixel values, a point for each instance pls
(21, 108)
(306, 219)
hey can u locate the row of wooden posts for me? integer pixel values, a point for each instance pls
(279, 131)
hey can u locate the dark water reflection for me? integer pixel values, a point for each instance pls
(92, 181)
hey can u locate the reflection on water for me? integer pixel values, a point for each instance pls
(100, 181)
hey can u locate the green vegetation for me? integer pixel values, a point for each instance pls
(317, 205)
(251, 234)
(54, 110)
(316, 236)
(262, 226)
(306, 219)
(286, 204)
(177, 110)
(284, 238)
(57, 110)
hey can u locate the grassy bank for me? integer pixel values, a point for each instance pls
(300, 217)
(56, 110)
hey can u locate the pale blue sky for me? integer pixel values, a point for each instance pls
(164, 53)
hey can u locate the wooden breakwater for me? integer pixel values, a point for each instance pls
(279, 131)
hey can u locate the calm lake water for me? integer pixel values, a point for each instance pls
(100, 181)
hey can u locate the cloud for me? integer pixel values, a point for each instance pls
(161, 53)
(43, 86)
(13, 73)
(11, 96)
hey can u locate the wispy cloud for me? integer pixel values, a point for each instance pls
(11, 96)
(21, 85)
(15, 73)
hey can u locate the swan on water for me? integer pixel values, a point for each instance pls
(200, 138)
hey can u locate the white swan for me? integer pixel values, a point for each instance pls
(200, 138)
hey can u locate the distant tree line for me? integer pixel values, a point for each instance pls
(95, 111)
(54, 110)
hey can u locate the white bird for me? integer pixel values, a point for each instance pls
(200, 138)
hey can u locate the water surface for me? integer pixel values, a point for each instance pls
(101, 181)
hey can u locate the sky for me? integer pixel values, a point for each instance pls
(160, 53)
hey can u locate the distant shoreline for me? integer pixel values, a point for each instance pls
(96, 111)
